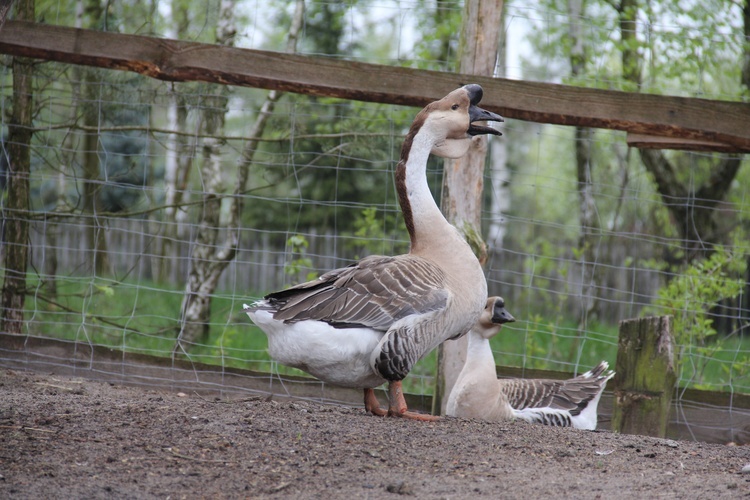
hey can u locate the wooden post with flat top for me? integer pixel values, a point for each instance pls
(646, 375)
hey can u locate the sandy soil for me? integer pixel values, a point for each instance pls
(63, 437)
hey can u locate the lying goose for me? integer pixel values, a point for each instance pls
(369, 323)
(478, 393)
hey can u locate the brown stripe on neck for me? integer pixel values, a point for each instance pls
(403, 198)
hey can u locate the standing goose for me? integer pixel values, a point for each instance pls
(369, 323)
(478, 393)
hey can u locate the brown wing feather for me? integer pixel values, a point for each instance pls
(375, 292)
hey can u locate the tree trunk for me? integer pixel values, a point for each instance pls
(180, 154)
(51, 231)
(463, 178)
(17, 211)
(207, 263)
(631, 59)
(95, 235)
(498, 172)
(177, 168)
(692, 210)
(67, 154)
(587, 215)
(588, 241)
(746, 50)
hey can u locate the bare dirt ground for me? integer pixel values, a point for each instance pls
(63, 437)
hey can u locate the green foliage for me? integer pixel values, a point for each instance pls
(439, 29)
(297, 245)
(329, 165)
(690, 295)
(544, 264)
(544, 344)
(135, 316)
(141, 317)
(683, 49)
(538, 352)
(372, 237)
(324, 29)
(330, 161)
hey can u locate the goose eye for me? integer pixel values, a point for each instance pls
(454, 107)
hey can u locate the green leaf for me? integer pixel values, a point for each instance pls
(106, 290)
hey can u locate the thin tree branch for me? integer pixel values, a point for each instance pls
(200, 135)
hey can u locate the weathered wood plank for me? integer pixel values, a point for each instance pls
(666, 116)
(653, 142)
(646, 374)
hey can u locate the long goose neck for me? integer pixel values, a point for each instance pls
(479, 357)
(423, 218)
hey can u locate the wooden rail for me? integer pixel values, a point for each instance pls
(697, 123)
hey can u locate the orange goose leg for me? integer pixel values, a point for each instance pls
(397, 405)
(372, 404)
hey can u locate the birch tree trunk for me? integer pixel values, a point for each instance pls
(16, 213)
(463, 178)
(209, 260)
(499, 173)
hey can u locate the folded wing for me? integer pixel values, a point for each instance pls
(375, 292)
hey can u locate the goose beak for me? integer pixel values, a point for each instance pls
(477, 114)
(500, 315)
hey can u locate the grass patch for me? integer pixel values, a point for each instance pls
(559, 346)
(143, 317)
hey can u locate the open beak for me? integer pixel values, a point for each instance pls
(477, 114)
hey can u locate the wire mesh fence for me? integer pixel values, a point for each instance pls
(122, 192)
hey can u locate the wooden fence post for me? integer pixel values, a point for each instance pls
(646, 375)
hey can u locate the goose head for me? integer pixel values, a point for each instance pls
(451, 121)
(493, 318)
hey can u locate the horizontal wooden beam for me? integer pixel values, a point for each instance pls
(690, 119)
(653, 142)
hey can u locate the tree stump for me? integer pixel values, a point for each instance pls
(646, 375)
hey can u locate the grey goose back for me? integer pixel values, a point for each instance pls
(478, 393)
(369, 323)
